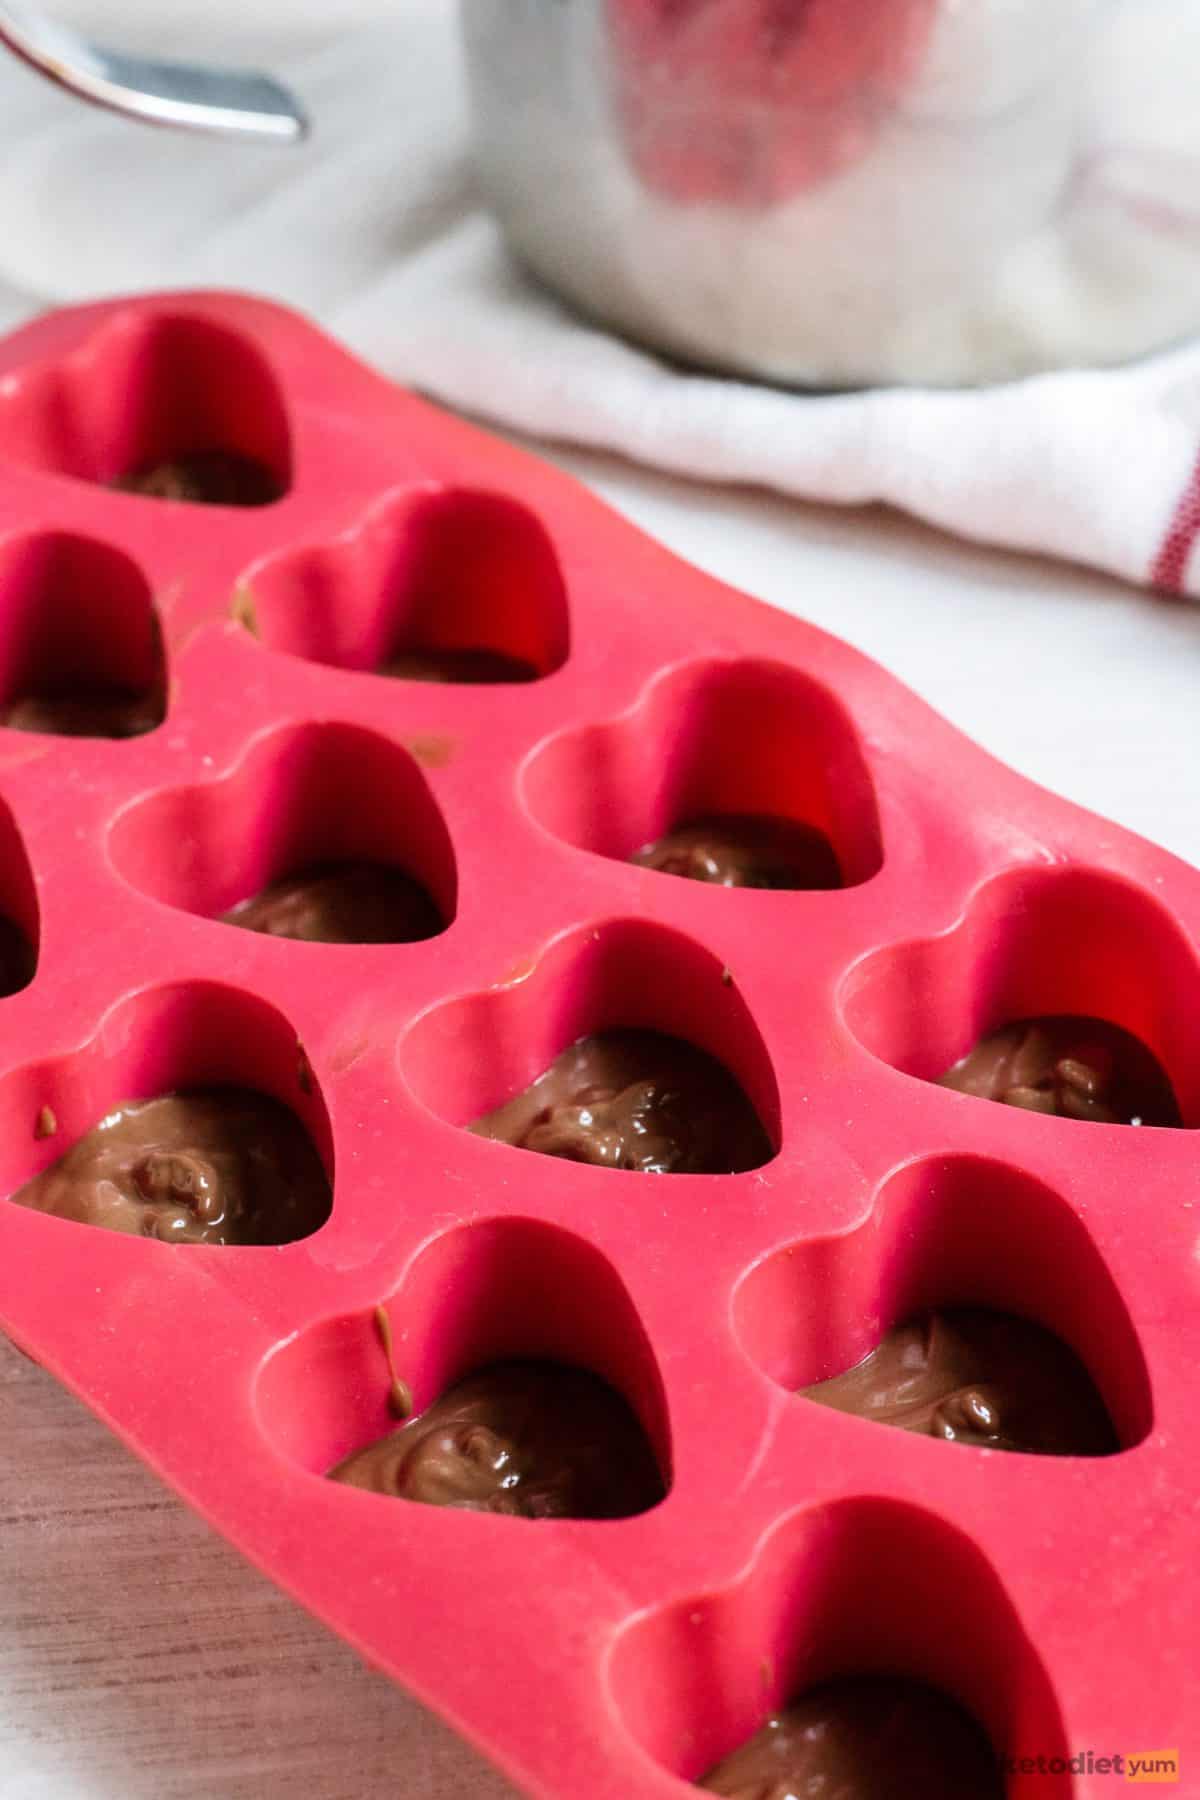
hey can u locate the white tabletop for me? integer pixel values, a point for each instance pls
(140, 1659)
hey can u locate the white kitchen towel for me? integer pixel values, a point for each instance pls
(378, 228)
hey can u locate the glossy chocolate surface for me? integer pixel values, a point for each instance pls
(635, 1100)
(869, 1737)
(216, 1166)
(754, 850)
(1072, 1066)
(205, 478)
(970, 1376)
(18, 959)
(531, 1440)
(342, 903)
(470, 667)
(86, 712)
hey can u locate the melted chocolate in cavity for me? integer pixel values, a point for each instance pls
(342, 903)
(218, 1166)
(975, 1377)
(18, 959)
(471, 667)
(532, 1440)
(867, 1737)
(1074, 1067)
(635, 1100)
(205, 478)
(86, 712)
(753, 850)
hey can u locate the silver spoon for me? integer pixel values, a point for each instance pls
(234, 102)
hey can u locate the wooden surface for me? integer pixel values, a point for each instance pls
(142, 1659)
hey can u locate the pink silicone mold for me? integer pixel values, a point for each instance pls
(146, 387)
(601, 1660)
(428, 568)
(466, 1056)
(303, 795)
(476, 1294)
(77, 609)
(711, 737)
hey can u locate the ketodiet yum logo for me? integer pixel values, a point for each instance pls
(1144, 1766)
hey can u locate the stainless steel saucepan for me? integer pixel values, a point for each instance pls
(824, 192)
(852, 192)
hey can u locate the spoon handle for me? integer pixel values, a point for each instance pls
(231, 102)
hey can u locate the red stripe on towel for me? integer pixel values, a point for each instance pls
(1170, 565)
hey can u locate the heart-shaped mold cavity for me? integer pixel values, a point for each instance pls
(1040, 945)
(195, 1038)
(436, 584)
(468, 1057)
(501, 1292)
(330, 832)
(948, 1232)
(170, 405)
(857, 1588)
(80, 646)
(19, 919)
(713, 740)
